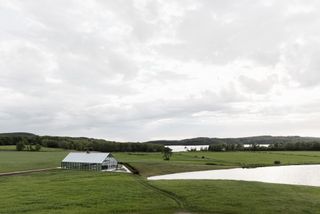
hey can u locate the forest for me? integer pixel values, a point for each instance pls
(276, 143)
(78, 143)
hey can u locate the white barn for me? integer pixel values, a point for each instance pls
(89, 161)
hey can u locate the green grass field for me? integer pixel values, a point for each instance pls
(79, 192)
(244, 197)
(15, 161)
(63, 191)
(93, 192)
(43, 149)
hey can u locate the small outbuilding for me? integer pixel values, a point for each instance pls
(97, 161)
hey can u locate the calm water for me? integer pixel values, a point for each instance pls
(184, 148)
(250, 145)
(295, 174)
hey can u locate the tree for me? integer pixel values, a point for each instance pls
(255, 147)
(37, 147)
(167, 153)
(20, 145)
(29, 146)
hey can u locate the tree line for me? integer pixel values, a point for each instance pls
(32, 142)
(276, 146)
(76, 143)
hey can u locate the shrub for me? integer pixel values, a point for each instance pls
(277, 162)
(37, 147)
(167, 152)
(212, 164)
(20, 145)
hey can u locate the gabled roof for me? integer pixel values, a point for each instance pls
(84, 157)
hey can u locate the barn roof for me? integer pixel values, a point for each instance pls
(84, 157)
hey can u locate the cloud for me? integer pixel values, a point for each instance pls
(258, 86)
(140, 70)
(301, 60)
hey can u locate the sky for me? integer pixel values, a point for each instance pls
(144, 70)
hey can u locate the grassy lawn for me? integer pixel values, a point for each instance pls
(14, 161)
(80, 192)
(243, 197)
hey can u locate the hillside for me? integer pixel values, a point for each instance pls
(77, 143)
(17, 134)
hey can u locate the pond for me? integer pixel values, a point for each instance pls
(294, 174)
(260, 145)
(185, 148)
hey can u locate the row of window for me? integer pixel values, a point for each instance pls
(86, 166)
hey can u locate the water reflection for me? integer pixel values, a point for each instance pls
(294, 174)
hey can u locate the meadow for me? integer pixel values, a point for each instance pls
(243, 197)
(11, 161)
(61, 191)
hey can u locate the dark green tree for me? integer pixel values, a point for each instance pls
(21, 145)
(167, 153)
(37, 147)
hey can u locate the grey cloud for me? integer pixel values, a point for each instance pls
(301, 61)
(221, 32)
(258, 86)
(165, 76)
(218, 34)
(136, 70)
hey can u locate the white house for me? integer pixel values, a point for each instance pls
(97, 161)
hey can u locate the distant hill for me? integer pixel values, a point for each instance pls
(78, 142)
(267, 139)
(17, 134)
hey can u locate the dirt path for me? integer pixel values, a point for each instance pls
(166, 193)
(26, 171)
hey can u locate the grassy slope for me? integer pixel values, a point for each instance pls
(244, 197)
(80, 192)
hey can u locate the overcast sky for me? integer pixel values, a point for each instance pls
(143, 70)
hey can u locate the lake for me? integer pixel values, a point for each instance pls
(185, 148)
(294, 174)
(260, 145)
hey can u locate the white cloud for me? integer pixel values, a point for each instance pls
(140, 70)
